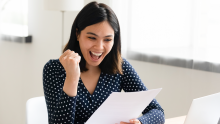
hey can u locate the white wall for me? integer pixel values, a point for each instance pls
(180, 85)
(21, 67)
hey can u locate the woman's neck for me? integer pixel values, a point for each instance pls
(92, 69)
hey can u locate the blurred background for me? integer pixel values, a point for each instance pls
(171, 44)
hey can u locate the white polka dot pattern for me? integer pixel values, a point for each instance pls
(63, 109)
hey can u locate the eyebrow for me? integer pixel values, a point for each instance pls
(97, 35)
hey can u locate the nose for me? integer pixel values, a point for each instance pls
(99, 45)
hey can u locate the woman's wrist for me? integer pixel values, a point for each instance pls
(71, 79)
(70, 87)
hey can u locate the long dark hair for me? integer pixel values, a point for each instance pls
(91, 14)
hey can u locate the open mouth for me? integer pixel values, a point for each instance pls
(95, 56)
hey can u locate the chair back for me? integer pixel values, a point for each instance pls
(36, 111)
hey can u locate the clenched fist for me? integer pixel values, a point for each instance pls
(70, 61)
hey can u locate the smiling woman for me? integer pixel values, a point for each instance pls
(91, 20)
(90, 69)
(96, 42)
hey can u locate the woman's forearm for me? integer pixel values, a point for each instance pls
(70, 87)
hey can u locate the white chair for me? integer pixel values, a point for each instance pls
(36, 111)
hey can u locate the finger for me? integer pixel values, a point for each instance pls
(136, 121)
(78, 59)
(74, 55)
(124, 122)
(64, 54)
(71, 55)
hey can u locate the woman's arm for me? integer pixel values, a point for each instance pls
(153, 114)
(60, 106)
(131, 82)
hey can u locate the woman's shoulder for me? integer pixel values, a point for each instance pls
(125, 63)
(127, 67)
(53, 64)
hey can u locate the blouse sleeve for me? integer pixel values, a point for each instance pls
(60, 106)
(131, 82)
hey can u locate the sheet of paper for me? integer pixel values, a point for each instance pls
(122, 106)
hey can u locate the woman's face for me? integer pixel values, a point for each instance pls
(96, 42)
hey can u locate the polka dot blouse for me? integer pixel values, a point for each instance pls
(63, 109)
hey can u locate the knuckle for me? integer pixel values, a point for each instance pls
(71, 58)
(76, 54)
(67, 51)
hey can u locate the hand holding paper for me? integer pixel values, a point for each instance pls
(132, 121)
(122, 107)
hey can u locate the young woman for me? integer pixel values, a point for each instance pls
(90, 69)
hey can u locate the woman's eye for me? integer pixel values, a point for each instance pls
(92, 38)
(108, 39)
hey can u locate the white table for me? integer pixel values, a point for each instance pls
(176, 120)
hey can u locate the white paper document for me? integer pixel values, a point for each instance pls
(122, 106)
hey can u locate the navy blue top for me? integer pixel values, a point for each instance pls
(63, 109)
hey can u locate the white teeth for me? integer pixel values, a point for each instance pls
(96, 54)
